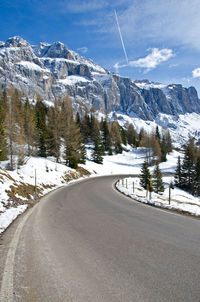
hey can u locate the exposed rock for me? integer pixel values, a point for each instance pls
(53, 70)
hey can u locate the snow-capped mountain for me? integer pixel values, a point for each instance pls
(53, 70)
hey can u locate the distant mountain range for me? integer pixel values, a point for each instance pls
(53, 70)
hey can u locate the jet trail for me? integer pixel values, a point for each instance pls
(120, 34)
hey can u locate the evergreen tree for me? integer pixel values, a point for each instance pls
(168, 142)
(94, 128)
(188, 167)
(145, 176)
(178, 181)
(163, 150)
(158, 134)
(141, 136)
(74, 150)
(107, 136)
(3, 142)
(123, 135)
(197, 178)
(41, 113)
(157, 179)
(97, 154)
(85, 127)
(54, 131)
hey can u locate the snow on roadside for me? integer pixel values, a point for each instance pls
(180, 200)
(9, 215)
(17, 187)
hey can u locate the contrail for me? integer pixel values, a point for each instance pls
(120, 34)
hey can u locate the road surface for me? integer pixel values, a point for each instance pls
(88, 243)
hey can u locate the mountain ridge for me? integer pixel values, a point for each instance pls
(53, 70)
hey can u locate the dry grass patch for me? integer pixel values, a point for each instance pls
(83, 172)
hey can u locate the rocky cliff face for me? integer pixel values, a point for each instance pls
(53, 70)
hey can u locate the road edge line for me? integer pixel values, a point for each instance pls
(6, 293)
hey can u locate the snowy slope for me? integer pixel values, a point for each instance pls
(181, 127)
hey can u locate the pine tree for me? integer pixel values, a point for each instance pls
(54, 131)
(157, 179)
(123, 135)
(188, 167)
(145, 176)
(197, 178)
(107, 136)
(97, 155)
(74, 150)
(178, 181)
(85, 127)
(163, 150)
(168, 142)
(3, 142)
(157, 134)
(94, 128)
(41, 113)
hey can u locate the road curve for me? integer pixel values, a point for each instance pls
(89, 243)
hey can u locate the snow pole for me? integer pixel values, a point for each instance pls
(126, 183)
(133, 186)
(150, 188)
(35, 187)
(169, 194)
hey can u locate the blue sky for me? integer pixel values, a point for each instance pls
(161, 38)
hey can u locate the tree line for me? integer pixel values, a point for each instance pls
(187, 175)
(31, 128)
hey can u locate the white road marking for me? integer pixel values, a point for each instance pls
(6, 294)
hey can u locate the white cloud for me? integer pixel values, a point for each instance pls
(83, 49)
(151, 61)
(196, 73)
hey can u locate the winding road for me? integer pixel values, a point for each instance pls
(88, 243)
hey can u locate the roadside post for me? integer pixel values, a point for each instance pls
(35, 187)
(171, 186)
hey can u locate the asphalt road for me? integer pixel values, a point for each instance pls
(88, 243)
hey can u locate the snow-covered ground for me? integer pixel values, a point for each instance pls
(17, 187)
(179, 200)
(181, 128)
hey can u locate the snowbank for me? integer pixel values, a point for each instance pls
(180, 200)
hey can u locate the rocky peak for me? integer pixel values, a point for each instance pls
(16, 41)
(55, 50)
(53, 70)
